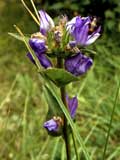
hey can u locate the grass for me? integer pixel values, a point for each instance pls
(23, 107)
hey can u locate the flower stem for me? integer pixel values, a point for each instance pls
(65, 128)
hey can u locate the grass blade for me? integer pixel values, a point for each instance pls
(55, 149)
(111, 119)
(27, 45)
(63, 152)
(18, 37)
(114, 154)
(25, 124)
(88, 136)
(43, 148)
(36, 12)
(32, 15)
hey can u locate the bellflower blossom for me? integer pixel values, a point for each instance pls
(39, 44)
(72, 105)
(44, 61)
(78, 64)
(46, 22)
(39, 47)
(84, 30)
(51, 125)
(55, 123)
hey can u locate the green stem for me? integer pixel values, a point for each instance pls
(65, 128)
(110, 124)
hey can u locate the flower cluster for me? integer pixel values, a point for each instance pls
(82, 31)
(67, 36)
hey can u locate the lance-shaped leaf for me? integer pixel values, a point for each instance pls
(18, 37)
(54, 109)
(59, 76)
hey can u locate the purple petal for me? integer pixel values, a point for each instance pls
(51, 125)
(70, 25)
(46, 22)
(79, 27)
(31, 58)
(92, 38)
(38, 45)
(78, 64)
(72, 44)
(81, 35)
(44, 61)
(80, 32)
(39, 48)
(72, 105)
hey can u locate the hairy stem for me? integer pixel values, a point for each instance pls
(65, 128)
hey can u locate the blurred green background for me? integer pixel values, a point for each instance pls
(22, 103)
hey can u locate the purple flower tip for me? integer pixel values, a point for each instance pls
(44, 61)
(84, 30)
(72, 105)
(38, 45)
(31, 58)
(72, 44)
(78, 64)
(51, 125)
(46, 22)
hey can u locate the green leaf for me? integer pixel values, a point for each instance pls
(88, 51)
(59, 76)
(18, 37)
(53, 92)
(53, 111)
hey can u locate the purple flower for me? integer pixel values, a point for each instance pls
(39, 47)
(84, 30)
(44, 61)
(31, 58)
(46, 22)
(51, 125)
(72, 105)
(78, 64)
(54, 125)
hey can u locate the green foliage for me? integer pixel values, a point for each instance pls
(22, 115)
(17, 36)
(59, 76)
